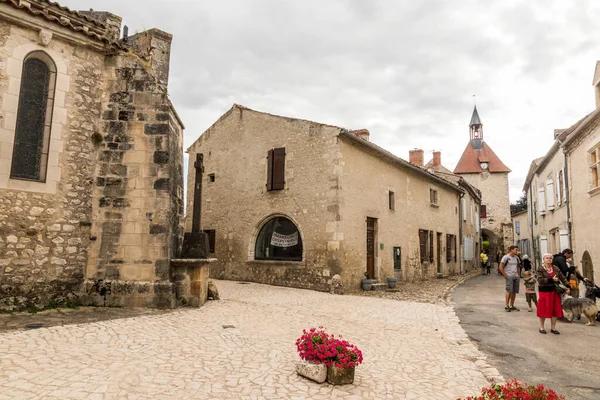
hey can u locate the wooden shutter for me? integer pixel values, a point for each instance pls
(423, 244)
(550, 194)
(564, 239)
(270, 170)
(542, 201)
(278, 168)
(565, 189)
(518, 227)
(430, 246)
(543, 245)
(483, 211)
(559, 186)
(454, 247)
(448, 247)
(464, 208)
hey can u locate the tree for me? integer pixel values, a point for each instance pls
(519, 205)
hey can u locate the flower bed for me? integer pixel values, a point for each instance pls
(515, 390)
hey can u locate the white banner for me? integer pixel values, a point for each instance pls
(280, 240)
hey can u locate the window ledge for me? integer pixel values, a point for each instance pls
(282, 263)
(594, 191)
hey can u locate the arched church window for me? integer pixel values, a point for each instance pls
(279, 239)
(34, 118)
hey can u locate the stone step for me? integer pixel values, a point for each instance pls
(380, 287)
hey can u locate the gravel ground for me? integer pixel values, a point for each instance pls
(434, 291)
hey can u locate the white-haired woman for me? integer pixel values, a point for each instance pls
(549, 303)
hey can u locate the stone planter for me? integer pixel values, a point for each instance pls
(315, 372)
(366, 284)
(340, 376)
(392, 282)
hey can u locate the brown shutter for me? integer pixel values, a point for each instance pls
(270, 170)
(454, 246)
(278, 168)
(431, 246)
(448, 248)
(423, 244)
(482, 211)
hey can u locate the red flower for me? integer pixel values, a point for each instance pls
(318, 346)
(514, 390)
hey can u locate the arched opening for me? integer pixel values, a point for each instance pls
(489, 244)
(587, 268)
(278, 239)
(34, 118)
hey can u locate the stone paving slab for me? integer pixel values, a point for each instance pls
(411, 350)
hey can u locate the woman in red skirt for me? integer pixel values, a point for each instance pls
(549, 302)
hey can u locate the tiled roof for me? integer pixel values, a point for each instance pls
(439, 168)
(55, 13)
(471, 158)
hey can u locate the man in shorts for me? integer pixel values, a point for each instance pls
(511, 269)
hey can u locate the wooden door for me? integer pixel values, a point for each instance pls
(371, 247)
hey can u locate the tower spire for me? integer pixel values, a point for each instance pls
(475, 126)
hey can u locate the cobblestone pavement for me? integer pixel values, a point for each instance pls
(412, 351)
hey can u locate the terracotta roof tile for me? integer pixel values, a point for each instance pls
(471, 157)
(80, 23)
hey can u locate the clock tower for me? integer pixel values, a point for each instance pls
(482, 168)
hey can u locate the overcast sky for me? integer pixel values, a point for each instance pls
(405, 70)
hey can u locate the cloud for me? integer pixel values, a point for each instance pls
(405, 70)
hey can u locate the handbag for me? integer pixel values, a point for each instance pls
(560, 288)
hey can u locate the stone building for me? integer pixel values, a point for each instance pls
(292, 202)
(90, 160)
(523, 233)
(546, 190)
(483, 169)
(469, 222)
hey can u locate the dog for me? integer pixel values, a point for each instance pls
(575, 307)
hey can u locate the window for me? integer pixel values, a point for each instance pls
(595, 167)
(482, 211)
(518, 227)
(211, 177)
(211, 239)
(34, 118)
(276, 169)
(423, 244)
(433, 197)
(450, 248)
(392, 200)
(278, 239)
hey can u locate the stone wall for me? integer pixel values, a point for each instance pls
(44, 226)
(138, 189)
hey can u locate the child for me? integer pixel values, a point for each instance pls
(530, 289)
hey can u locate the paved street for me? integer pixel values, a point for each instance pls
(568, 362)
(411, 350)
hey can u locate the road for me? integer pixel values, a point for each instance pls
(568, 363)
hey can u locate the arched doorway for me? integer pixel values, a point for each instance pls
(490, 244)
(278, 239)
(587, 268)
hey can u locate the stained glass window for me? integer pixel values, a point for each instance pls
(34, 118)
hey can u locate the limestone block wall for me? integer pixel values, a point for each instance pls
(44, 226)
(471, 231)
(138, 190)
(237, 204)
(365, 180)
(584, 198)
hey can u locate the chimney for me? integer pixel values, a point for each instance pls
(415, 157)
(362, 133)
(437, 158)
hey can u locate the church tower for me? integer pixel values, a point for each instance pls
(482, 168)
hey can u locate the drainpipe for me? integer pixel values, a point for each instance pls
(567, 202)
(460, 233)
(531, 217)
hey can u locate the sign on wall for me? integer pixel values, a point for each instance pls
(280, 240)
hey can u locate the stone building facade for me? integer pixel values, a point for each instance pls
(90, 160)
(292, 202)
(523, 234)
(483, 169)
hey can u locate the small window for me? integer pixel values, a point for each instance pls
(278, 239)
(483, 211)
(211, 239)
(392, 200)
(433, 197)
(34, 118)
(211, 177)
(595, 167)
(276, 169)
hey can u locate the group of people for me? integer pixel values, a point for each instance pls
(555, 270)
